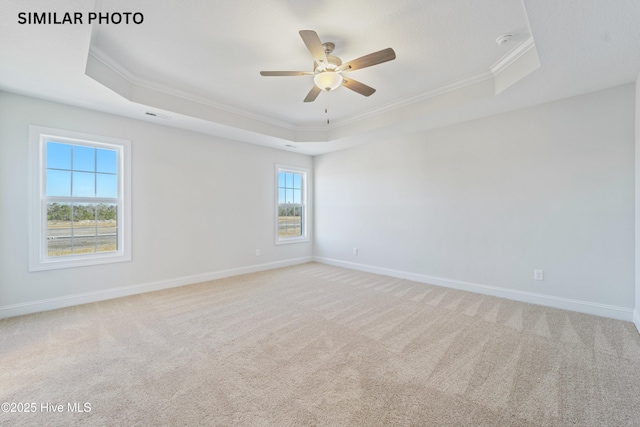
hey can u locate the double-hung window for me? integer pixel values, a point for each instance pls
(291, 205)
(80, 199)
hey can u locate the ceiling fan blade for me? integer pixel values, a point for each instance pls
(374, 58)
(286, 73)
(358, 87)
(313, 94)
(313, 43)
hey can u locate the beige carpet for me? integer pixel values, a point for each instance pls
(319, 345)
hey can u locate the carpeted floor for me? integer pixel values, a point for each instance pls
(318, 345)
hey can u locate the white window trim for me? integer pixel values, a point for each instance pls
(38, 259)
(305, 205)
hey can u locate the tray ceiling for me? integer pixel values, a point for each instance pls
(196, 64)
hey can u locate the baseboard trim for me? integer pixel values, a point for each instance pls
(89, 297)
(614, 312)
(636, 318)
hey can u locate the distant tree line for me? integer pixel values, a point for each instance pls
(62, 212)
(289, 211)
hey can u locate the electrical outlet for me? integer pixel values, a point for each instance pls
(355, 251)
(257, 252)
(538, 275)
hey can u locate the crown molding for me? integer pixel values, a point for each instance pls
(134, 80)
(501, 65)
(415, 99)
(513, 56)
(512, 67)
(114, 65)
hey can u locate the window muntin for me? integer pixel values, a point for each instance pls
(74, 174)
(80, 212)
(291, 215)
(81, 228)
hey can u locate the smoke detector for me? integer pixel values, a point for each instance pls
(504, 39)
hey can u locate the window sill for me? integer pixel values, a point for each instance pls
(292, 240)
(76, 261)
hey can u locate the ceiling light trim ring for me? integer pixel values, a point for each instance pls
(328, 80)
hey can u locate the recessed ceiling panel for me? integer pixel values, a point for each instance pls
(195, 64)
(215, 50)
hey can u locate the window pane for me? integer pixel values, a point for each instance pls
(58, 183)
(107, 240)
(107, 227)
(107, 212)
(291, 187)
(93, 229)
(107, 185)
(84, 158)
(84, 212)
(84, 184)
(106, 161)
(58, 229)
(296, 222)
(282, 220)
(294, 227)
(84, 228)
(59, 212)
(58, 155)
(289, 221)
(59, 245)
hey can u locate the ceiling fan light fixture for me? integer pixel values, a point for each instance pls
(328, 69)
(328, 80)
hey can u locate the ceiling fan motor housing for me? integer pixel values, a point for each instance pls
(328, 69)
(333, 62)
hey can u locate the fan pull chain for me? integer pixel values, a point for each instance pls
(326, 110)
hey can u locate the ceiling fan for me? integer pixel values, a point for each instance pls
(328, 70)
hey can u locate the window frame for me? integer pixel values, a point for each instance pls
(39, 260)
(304, 205)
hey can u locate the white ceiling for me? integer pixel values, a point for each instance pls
(197, 62)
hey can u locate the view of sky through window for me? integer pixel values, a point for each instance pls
(81, 171)
(289, 187)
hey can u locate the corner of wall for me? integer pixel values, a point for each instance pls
(636, 313)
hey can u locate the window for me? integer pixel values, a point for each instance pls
(291, 201)
(80, 199)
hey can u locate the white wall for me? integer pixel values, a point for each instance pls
(201, 207)
(476, 205)
(480, 205)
